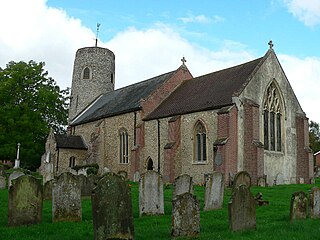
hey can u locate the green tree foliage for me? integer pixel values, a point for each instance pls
(314, 136)
(30, 104)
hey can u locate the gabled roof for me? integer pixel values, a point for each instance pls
(122, 100)
(70, 141)
(210, 91)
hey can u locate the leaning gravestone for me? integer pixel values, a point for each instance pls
(185, 215)
(87, 183)
(182, 184)
(47, 189)
(315, 203)
(112, 209)
(3, 182)
(13, 176)
(242, 178)
(151, 194)
(25, 201)
(242, 209)
(299, 206)
(262, 181)
(213, 196)
(66, 199)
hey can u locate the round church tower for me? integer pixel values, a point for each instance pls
(93, 75)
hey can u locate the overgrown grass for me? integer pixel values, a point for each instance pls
(272, 221)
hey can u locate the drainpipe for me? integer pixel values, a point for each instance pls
(158, 145)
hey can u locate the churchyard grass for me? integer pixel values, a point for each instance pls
(272, 221)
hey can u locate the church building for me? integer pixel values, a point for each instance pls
(245, 117)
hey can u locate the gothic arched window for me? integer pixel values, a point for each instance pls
(124, 153)
(272, 118)
(200, 143)
(86, 73)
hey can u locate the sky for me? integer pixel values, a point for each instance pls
(150, 37)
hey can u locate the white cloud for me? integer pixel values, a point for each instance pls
(30, 30)
(201, 19)
(307, 11)
(303, 75)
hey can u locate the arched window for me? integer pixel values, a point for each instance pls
(272, 118)
(86, 73)
(72, 162)
(200, 143)
(149, 164)
(124, 153)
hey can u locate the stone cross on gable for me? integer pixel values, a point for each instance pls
(270, 44)
(183, 60)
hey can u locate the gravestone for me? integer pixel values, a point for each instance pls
(315, 203)
(151, 194)
(47, 189)
(262, 181)
(136, 176)
(214, 189)
(87, 183)
(14, 175)
(299, 206)
(242, 178)
(112, 209)
(3, 182)
(66, 199)
(185, 215)
(1, 169)
(25, 201)
(182, 184)
(242, 209)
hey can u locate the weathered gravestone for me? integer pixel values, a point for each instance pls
(112, 209)
(242, 178)
(136, 176)
(185, 215)
(299, 206)
(151, 194)
(25, 201)
(47, 189)
(123, 174)
(87, 183)
(66, 199)
(262, 181)
(182, 184)
(14, 175)
(242, 209)
(1, 169)
(214, 189)
(3, 182)
(315, 203)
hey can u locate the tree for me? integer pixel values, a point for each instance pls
(30, 104)
(314, 136)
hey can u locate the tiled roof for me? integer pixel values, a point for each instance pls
(211, 91)
(70, 141)
(122, 100)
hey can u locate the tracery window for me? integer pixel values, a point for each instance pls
(200, 143)
(86, 73)
(124, 154)
(272, 117)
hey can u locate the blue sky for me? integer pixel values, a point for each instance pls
(150, 37)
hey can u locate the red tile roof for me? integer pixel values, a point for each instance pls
(211, 91)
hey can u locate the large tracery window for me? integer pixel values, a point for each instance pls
(272, 117)
(124, 153)
(200, 143)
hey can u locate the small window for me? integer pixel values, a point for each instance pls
(72, 162)
(200, 143)
(124, 153)
(86, 73)
(111, 78)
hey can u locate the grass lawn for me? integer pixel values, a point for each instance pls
(272, 221)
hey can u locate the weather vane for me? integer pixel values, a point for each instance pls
(98, 26)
